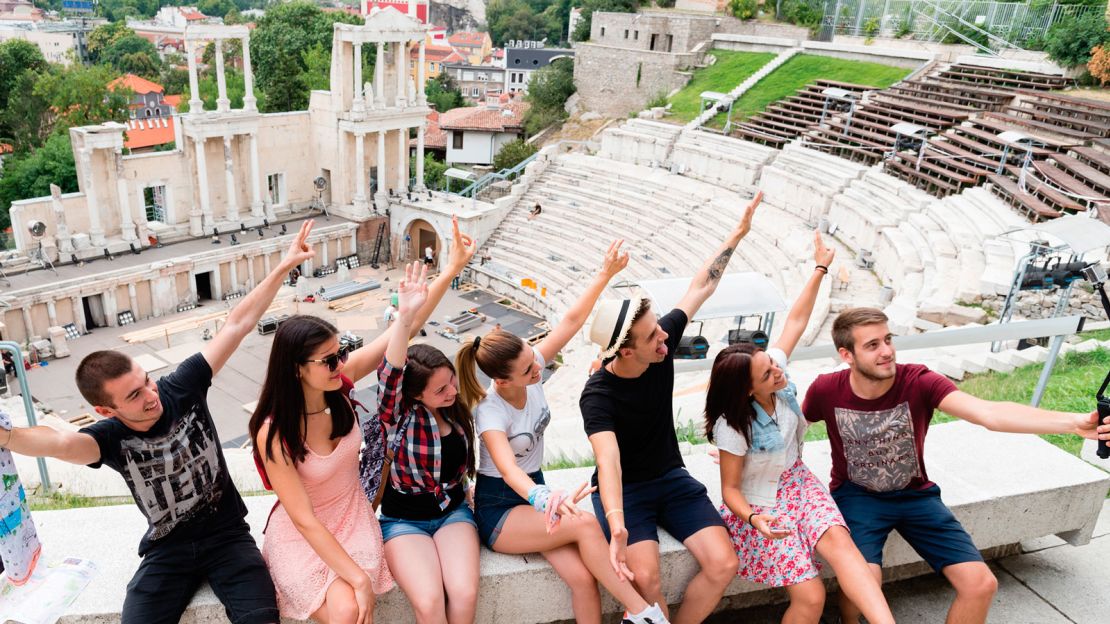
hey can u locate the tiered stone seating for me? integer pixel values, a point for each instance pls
(640, 142)
(803, 181)
(1002, 79)
(784, 120)
(719, 160)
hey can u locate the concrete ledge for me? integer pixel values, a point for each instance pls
(889, 56)
(999, 485)
(753, 43)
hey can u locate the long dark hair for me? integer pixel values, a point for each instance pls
(424, 360)
(730, 387)
(282, 398)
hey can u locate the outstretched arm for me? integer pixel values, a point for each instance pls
(365, 360)
(244, 317)
(43, 441)
(613, 263)
(1018, 418)
(800, 312)
(411, 294)
(705, 282)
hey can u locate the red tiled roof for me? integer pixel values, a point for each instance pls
(433, 53)
(191, 14)
(470, 39)
(173, 100)
(149, 132)
(434, 136)
(455, 57)
(136, 84)
(484, 118)
(6, 148)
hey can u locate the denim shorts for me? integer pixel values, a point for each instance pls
(395, 527)
(493, 500)
(675, 501)
(919, 516)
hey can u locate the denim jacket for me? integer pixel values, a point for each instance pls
(766, 458)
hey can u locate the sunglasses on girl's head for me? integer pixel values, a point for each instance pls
(333, 360)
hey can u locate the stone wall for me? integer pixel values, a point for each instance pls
(617, 81)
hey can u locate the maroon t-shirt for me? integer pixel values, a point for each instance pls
(878, 444)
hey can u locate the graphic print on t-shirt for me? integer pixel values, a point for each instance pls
(878, 447)
(175, 476)
(524, 442)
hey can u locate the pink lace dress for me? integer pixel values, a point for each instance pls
(301, 578)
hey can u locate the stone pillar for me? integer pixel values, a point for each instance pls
(266, 263)
(379, 76)
(196, 105)
(324, 260)
(420, 157)
(359, 104)
(52, 312)
(222, 103)
(354, 242)
(250, 103)
(233, 273)
(360, 172)
(421, 97)
(96, 232)
(229, 177)
(65, 243)
(78, 307)
(126, 224)
(217, 284)
(381, 200)
(258, 209)
(202, 188)
(251, 283)
(133, 297)
(402, 160)
(401, 72)
(193, 287)
(111, 307)
(28, 325)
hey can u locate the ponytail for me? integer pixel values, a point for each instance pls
(493, 354)
(471, 391)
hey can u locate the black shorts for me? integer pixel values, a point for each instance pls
(170, 574)
(676, 501)
(493, 500)
(919, 516)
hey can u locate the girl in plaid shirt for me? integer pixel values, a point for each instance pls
(431, 540)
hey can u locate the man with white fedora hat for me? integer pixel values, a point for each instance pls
(641, 479)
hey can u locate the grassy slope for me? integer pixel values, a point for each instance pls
(804, 69)
(731, 69)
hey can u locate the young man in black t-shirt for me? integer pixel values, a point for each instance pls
(641, 479)
(161, 438)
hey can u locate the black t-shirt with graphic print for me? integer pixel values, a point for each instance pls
(176, 471)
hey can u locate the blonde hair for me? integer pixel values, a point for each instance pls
(493, 354)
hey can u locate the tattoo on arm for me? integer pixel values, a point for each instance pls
(717, 268)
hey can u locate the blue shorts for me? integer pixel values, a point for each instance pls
(396, 527)
(676, 501)
(919, 516)
(493, 500)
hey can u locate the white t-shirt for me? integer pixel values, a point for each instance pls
(524, 427)
(428, 253)
(731, 440)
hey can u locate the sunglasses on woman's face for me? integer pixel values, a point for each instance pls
(333, 360)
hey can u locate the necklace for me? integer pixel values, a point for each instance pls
(326, 410)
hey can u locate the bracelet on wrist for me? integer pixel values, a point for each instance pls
(613, 511)
(750, 516)
(821, 267)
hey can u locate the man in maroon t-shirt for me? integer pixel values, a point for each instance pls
(877, 414)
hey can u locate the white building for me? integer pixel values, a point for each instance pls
(475, 134)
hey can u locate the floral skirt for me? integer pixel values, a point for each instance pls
(803, 505)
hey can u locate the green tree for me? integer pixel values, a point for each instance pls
(31, 174)
(317, 68)
(134, 55)
(548, 91)
(1070, 41)
(279, 43)
(79, 96)
(103, 36)
(174, 77)
(434, 171)
(17, 58)
(26, 120)
(215, 8)
(209, 90)
(442, 92)
(511, 154)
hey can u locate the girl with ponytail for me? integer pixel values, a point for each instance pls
(515, 511)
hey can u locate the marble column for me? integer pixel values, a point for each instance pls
(360, 172)
(381, 161)
(229, 178)
(96, 232)
(78, 310)
(222, 103)
(202, 188)
(421, 97)
(379, 76)
(266, 263)
(401, 52)
(251, 283)
(359, 104)
(133, 297)
(258, 209)
(420, 157)
(233, 273)
(126, 223)
(196, 105)
(250, 103)
(52, 313)
(402, 160)
(28, 324)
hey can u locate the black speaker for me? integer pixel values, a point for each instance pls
(756, 337)
(692, 348)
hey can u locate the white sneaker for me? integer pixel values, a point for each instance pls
(651, 615)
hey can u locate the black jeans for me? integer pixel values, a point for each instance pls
(170, 574)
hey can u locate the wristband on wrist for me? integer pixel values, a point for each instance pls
(823, 268)
(613, 511)
(538, 497)
(749, 520)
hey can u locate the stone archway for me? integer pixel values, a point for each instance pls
(420, 234)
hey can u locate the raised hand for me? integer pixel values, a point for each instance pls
(822, 254)
(614, 261)
(412, 291)
(299, 250)
(462, 248)
(745, 224)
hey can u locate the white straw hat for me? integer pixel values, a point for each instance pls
(612, 323)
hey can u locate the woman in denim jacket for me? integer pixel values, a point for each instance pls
(777, 512)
